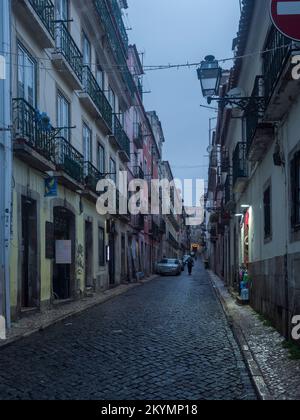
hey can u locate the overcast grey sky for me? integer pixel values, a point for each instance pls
(177, 31)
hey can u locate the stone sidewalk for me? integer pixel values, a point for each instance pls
(275, 375)
(42, 320)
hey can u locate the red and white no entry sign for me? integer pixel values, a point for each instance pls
(286, 17)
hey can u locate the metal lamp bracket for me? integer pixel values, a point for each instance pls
(246, 104)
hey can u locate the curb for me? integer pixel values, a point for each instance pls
(256, 375)
(44, 326)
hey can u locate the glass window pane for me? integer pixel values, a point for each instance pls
(26, 77)
(63, 116)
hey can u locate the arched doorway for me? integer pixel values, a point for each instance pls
(64, 263)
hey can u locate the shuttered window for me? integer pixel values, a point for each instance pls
(268, 213)
(295, 192)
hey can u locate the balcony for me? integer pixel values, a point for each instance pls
(122, 207)
(213, 232)
(38, 17)
(138, 172)
(33, 142)
(67, 58)
(173, 221)
(117, 14)
(140, 88)
(115, 40)
(173, 242)
(225, 161)
(154, 229)
(138, 137)
(240, 167)
(138, 222)
(260, 134)
(120, 139)
(91, 177)
(95, 101)
(280, 88)
(163, 227)
(69, 164)
(228, 192)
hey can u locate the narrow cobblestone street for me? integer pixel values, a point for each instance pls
(168, 339)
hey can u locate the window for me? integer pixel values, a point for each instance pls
(87, 143)
(113, 170)
(101, 246)
(136, 126)
(268, 213)
(122, 118)
(62, 10)
(63, 116)
(295, 192)
(26, 76)
(62, 15)
(101, 158)
(100, 76)
(112, 99)
(86, 51)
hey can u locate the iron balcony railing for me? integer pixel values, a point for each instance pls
(154, 229)
(140, 88)
(94, 91)
(120, 136)
(66, 46)
(174, 221)
(115, 8)
(68, 159)
(163, 227)
(239, 162)
(254, 113)
(91, 176)
(139, 221)
(46, 12)
(119, 53)
(28, 127)
(138, 134)
(228, 190)
(278, 49)
(225, 161)
(138, 172)
(173, 242)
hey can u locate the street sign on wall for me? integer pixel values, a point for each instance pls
(286, 17)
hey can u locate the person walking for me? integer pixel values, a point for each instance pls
(190, 265)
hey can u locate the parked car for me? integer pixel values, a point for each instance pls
(169, 267)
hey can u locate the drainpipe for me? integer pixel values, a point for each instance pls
(285, 169)
(6, 150)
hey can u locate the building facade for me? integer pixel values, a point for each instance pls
(77, 118)
(5, 158)
(254, 182)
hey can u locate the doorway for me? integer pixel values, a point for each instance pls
(124, 277)
(112, 269)
(63, 273)
(89, 255)
(30, 279)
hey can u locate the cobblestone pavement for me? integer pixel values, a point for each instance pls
(168, 339)
(280, 373)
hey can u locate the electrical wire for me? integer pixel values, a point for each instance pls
(119, 67)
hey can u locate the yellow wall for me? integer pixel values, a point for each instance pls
(29, 181)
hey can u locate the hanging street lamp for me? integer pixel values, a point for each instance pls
(210, 74)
